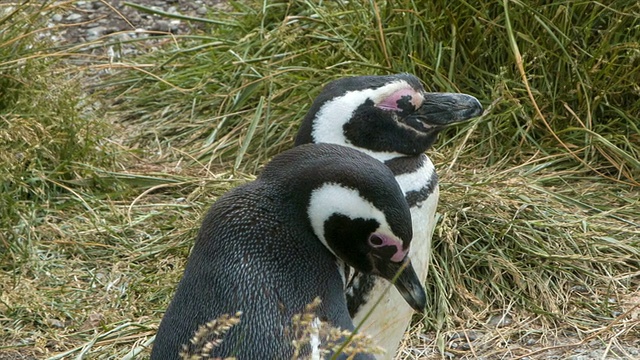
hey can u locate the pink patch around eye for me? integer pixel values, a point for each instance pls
(391, 102)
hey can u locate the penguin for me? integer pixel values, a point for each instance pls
(393, 119)
(269, 247)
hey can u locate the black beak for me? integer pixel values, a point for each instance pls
(404, 277)
(448, 108)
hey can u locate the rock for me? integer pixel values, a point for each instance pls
(202, 10)
(578, 357)
(471, 335)
(500, 320)
(55, 323)
(95, 32)
(89, 5)
(94, 19)
(175, 26)
(73, 17)
(161, 26)
(580, 289)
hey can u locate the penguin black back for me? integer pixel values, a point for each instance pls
(271, 246)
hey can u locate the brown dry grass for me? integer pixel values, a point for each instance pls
(539, 212)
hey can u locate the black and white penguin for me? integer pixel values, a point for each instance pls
(269, 247)
(393, 119)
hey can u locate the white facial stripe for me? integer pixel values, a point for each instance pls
(332, 199)
(329, 122)
(416, 180)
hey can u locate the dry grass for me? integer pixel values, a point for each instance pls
(539, 212)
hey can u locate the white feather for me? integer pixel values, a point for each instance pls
(332, 199)
(416, 180)
(314, 340)
(335, 113)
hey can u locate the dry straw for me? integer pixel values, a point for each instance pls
(539, 211)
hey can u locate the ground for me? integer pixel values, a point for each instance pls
(489, 337)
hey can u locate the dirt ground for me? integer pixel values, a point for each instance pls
(512, 338)
(90, 20)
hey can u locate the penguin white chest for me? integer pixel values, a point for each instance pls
(421, 190)
(391, 316)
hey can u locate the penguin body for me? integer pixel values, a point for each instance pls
(270, 247)
(394, 120)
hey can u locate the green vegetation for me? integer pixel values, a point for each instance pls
(102, 193)
(46, 144)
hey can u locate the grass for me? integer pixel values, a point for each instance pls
(46, 142)
(539, 212)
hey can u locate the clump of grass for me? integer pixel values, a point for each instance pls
(323, 339)
(270, 59)
(45, 141)
(532, 241)
(309, 332)
(208, 337)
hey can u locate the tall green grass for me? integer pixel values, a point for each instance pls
(581, 61)
(45, 141)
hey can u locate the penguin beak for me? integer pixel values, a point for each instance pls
(404, 277)
(440, 109)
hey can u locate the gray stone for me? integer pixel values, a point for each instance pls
(95, 32)
(89, 5)
(55, 323)
(471, 335)
(202, 10)
(161, 25)
(580, 289)
(175, 26)
(578, 357)
(73, 17)
(500, 320)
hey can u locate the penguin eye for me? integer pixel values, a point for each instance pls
(375, 240)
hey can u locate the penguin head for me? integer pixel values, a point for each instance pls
(384, 116)
(355, 229)
(369, 236)
(354, 207)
